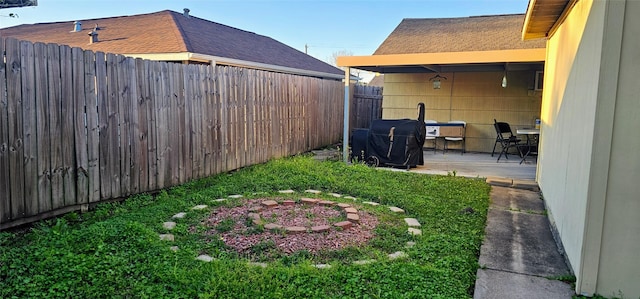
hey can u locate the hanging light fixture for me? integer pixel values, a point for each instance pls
(504, 80)
(436, 81)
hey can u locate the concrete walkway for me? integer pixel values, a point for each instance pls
(519, 254)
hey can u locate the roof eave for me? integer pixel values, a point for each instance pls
(188, 56)
(471, 57)
(543, 16)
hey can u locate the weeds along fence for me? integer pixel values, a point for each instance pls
(79, 127)
(366, 105)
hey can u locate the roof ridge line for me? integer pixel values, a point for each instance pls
(182, 36)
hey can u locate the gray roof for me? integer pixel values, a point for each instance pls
(171, 32)
(481, 33)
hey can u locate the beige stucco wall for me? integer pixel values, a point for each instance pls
(476, 98)
(589, 163)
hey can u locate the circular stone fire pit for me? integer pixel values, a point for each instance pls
(308, 224)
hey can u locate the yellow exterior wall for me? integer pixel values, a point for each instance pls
(476, 98)
(589, 163)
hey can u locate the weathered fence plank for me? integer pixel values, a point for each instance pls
(134, 127)
(29, 129)
(42, 131)
(79, 129)
(103, 125)
(54, 93)
(124, 116)
(14, 109)
(113, 148)
(142, 124)
(5, 192)
(68, 136)
(91, 116)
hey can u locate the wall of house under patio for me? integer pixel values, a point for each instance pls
(588, 167)
(475, 97)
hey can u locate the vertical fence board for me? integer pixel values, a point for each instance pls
(91, 116)
(68, 136)
(79, 129)
(134, 127)
(207, 123)
(55, 125)
(42, 131)
(187, 117)
(142, 85)
(152, 101)
(113, 146)
(177, 119)
(14, 109)
(102, 99)
(5, 193)
(124, 118)
(219, 112)
(162, 113)
(29, 128)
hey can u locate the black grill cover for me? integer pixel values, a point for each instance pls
(397, 142)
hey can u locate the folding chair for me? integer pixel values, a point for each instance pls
(504, 137)
(429, 137)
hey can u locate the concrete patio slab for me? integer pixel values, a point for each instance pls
(500, 284)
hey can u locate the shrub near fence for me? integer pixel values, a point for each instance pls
(79, 127)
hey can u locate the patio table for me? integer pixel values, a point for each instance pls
(532, 142)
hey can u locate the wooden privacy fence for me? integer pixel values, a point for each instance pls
(79, 127)
(366, 106)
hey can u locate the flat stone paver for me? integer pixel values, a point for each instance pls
(371, 203)
(412, 221)
(204, 258)
(344, 205)
(256, 209)
(320, 228)
(326, 203)
(350, 210)
(335, 194)
(344, 224)
(221, 199)
(269, 203)
(398, 255)
(312, 191)
(167, 237)
(235, 196)
(322, 266)
(271, 226)
(199, 207)
(169, 225)
(363, 262)
(288, 202)
(295, 229)
(179, 215)
(415, 231)
(310, 201)
(396, 210)
(410, 244)
(353, 217)
(286, 191)
(350, 197)
(174, 248)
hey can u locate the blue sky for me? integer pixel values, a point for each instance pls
(326, 26)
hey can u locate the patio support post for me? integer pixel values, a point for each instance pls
(345, 132)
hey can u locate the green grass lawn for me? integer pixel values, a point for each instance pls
(114, 251)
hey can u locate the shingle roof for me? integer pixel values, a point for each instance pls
(481, 33)
(171, 32)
